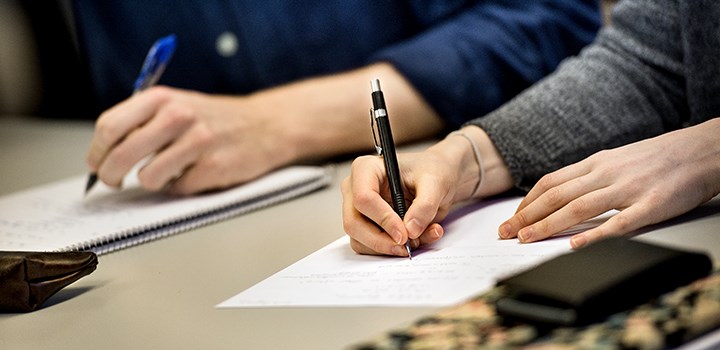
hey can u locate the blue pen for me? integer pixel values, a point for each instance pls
(155, 62)
(153, 67)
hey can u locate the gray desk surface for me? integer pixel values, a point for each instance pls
(163, 293)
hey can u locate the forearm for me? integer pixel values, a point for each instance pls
(328, 116)
(615, 93)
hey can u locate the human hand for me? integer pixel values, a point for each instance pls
(371, 222)
(195, 141)
(433, 180)
(648, 181)
(199, 142)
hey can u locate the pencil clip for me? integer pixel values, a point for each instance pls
(378, 149)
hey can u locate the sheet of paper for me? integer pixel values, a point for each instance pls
(58, 216)
(466, 261)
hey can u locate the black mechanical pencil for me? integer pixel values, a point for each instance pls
(387, 151)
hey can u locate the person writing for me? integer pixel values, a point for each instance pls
(631, 124)
(254, 86)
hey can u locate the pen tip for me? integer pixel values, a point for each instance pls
(92, 178)
(407, 247)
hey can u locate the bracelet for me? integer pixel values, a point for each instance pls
(478, 159)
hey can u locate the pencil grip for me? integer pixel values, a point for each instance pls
(399, 204)
(388, 151)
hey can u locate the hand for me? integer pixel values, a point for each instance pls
(433, 181)
(199, 142)
(648, 181)
(371, 222)
(196, 142)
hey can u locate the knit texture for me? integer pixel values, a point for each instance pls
(656, 69)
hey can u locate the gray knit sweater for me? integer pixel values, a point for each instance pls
(656, 69)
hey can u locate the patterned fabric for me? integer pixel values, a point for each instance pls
(668, 321)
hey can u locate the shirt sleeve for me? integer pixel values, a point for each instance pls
(627, 86)
(469, 64)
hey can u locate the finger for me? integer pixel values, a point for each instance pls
(419, 216)
(202, 175)
(433, 233)
(367, 175)
(362, 249)
(169, 124)
(185, 165)
(424, 208)
(549, 202)
(368, 237)
(554, 179)
(626, 221)
(172, 169)
(117, 122)
(431, 193)
(575, 212)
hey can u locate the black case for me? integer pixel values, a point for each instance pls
(596, 281)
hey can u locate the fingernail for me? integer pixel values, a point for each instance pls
(505, 230)
(437, 233)
(414, 243)
(396, 235)
(526, 234)
(578, 241)
(414, 228)
(398, 250)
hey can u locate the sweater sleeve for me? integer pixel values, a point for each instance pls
(625, 87)
(482, 56)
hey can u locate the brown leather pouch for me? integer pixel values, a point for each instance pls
(27, 279)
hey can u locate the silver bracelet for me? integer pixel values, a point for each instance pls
(478, 159)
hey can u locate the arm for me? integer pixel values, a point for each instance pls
(479, 58)
(200, 142)
(629, 86)
(625, 87)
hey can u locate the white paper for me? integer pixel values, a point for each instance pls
(58, 216)
(468, 260)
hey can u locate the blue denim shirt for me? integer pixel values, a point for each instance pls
(465, 57)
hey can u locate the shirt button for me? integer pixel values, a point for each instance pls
(226, 44)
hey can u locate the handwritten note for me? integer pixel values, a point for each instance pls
(58, 216)
(467, 260)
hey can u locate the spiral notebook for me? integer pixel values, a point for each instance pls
(58, 217)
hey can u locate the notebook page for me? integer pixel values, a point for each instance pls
(58, 216)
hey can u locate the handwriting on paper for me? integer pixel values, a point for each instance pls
(468, 260)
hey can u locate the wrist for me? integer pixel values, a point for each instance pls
(481, 171)
(497, 174)
(277, 130)
(478, 176)
(457, 154)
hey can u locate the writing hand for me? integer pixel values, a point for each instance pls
(199, 142)
(371, 222)
(196, 142)
(434, 180)
(648, 181)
